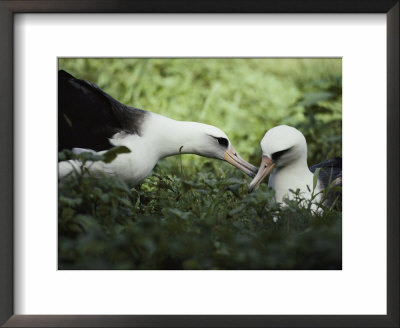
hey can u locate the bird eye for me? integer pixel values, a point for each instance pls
(223, 141)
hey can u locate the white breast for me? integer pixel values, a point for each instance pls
(284, 179)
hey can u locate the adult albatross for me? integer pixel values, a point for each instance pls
(285, 149)
(91, 120)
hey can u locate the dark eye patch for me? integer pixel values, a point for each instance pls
(222, 141)
(275, 156)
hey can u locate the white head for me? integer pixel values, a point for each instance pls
(209, 141)
(179, 137)
(284, 145)
(281, 146)
(202, 139)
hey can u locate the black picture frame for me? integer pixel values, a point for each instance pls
(7, 10)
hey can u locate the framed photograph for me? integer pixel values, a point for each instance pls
(142, 200)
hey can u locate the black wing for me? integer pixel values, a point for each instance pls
(88, 117)
(331, 173)
(331, 170)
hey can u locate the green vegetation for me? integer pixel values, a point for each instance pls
(194, 212)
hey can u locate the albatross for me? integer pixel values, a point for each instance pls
(284, 152)
(91, 120)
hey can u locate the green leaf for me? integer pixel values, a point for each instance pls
(70, 201)
(237, 210)
(89, 156)
(235, 189)
(66, 154)
(67, 213)
(313, 98)
(105, 198)
(315, 178)
(111, 154)
(67, 120)
(180, 214)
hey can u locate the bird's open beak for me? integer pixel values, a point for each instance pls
(266, 167)
(232, 157)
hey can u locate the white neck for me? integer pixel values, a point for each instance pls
(295, 175)
(298, 165)
(170, 137)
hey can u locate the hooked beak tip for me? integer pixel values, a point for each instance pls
(266, 167)
(252, 174)
(254, 171)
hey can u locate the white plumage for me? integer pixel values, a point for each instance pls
(284, 152)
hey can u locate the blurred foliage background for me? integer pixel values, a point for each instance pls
(193, 212)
